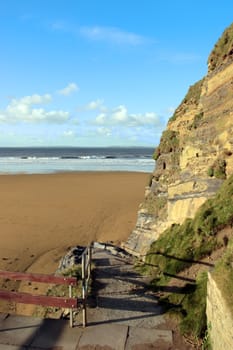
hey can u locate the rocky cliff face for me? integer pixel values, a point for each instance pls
(195, 153)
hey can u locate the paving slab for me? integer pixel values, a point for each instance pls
(13, 347)
(18, 330)
(57, 334)
(109, 337)
(147, 338)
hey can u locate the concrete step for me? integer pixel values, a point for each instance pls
(23, 332)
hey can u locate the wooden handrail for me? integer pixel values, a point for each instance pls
(36, 277)
(43, 300)
(46, 300)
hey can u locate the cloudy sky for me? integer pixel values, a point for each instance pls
(100, 72)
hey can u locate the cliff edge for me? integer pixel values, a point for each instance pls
(195, 154)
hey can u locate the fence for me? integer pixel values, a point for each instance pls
(45, 300)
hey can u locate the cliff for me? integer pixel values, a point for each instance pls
(195, 154)
(185, 223)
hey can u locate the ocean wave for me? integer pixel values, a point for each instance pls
(41, 165)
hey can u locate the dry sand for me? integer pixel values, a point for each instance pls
(42, 215)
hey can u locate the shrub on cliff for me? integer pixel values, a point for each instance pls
(218, 169)
(192, 97)
(169, 143)
(222, 49)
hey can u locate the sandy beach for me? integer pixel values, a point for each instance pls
(41, 216)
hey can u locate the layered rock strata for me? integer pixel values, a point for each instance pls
(195, 153)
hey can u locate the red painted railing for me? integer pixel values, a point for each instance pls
(42, 300)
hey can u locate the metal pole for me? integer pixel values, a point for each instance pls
(89, 262)
(71, 310)
(84, 288)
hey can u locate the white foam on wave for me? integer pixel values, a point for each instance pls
(45, 165)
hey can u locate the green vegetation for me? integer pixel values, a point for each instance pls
(223, 275)
(194, 309)
(182, 245)
(169, 143)
(192, 96)
(155, 204)
(222, 49)
(206, 342)
(179, 245)
(60, 291)
(189, 305)
(196, 121)
(218, 169)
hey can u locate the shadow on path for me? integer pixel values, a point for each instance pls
(120, 293)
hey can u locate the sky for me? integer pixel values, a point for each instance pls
(98, 73)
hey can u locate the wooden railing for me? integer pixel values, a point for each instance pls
(45, 300)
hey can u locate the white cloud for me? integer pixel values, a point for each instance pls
(120, 116)
(113, 35)
(69, 89)
(101, 118)
(96, 105)
(104, 131)
(23, 110)
(69, 133)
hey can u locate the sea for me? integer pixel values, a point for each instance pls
(45, 160)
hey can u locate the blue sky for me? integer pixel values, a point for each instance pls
(100, 72)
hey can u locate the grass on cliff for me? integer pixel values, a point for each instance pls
(189, 306)
(218, 169)
(192, 97)
(223, 275)
(182, 245)
(169, 143)
(222, 49)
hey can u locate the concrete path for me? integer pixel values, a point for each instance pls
(122, 315)
(23, 332)
(121, 294)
